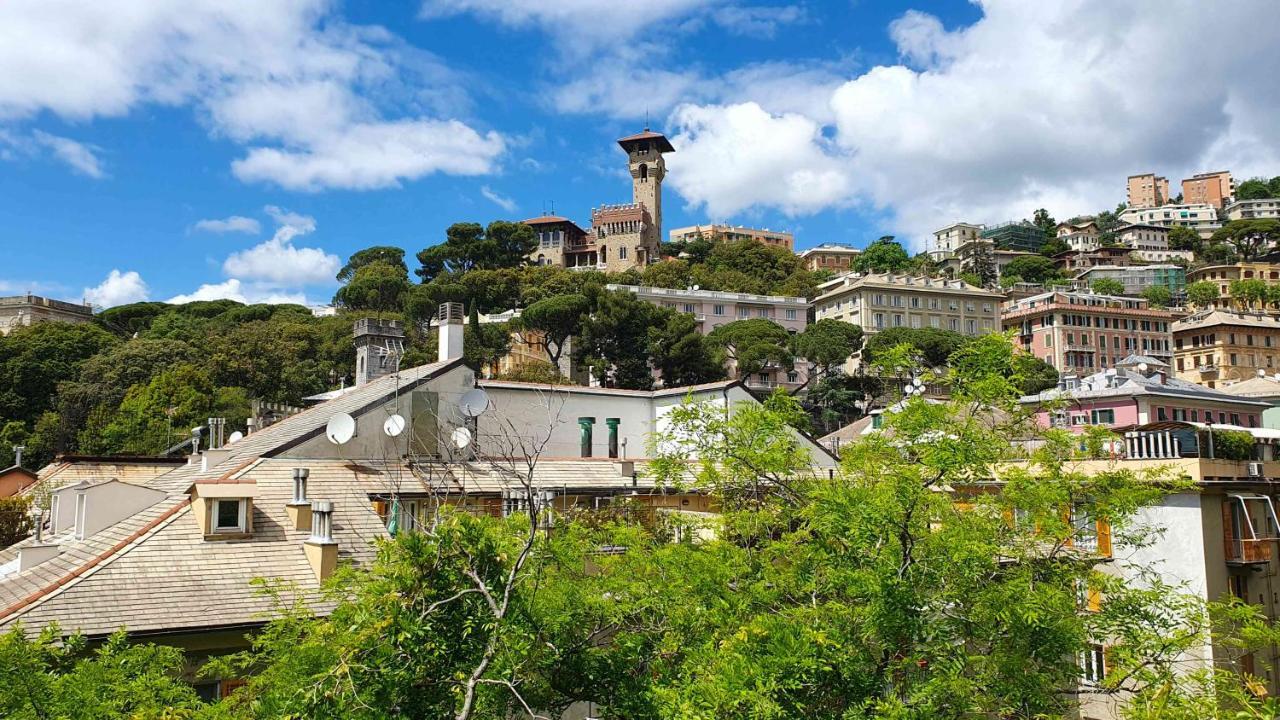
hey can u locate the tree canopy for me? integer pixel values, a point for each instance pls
(555, 319)
(1107, 286)
(1202, 293)
(883, 256)
(1249, 238)
(1032, 269)
(750, 345)
(471, 246)
(828, 343)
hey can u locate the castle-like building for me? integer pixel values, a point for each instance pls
(621, 236)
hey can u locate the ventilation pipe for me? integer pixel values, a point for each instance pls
(320, 548)
(450, 318)
(613, 435)
(584, 434)
(17, 455)
(299, 508)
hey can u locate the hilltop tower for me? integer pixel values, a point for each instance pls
(629, 235)
(379, 347)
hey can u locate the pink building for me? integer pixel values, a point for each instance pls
(1140, 391)
(1082, 332)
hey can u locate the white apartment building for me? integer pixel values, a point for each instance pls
(1081, 236)
(1201, 217)
(878, 301)
(948, 240)
(1262, 208)
(1150, 243)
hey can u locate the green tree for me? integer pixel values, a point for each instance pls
(555, 320)
(614, 341)
(885, 255)
(376, 287)
(934, 345)
(667, 274)
(380, 254)
(1184, 238)
(1249, 238)
(469, 246)
(1043, 220)
(1247, 293)
(34, 359)
(681, 353)
(1158, 296)
(156, 415)
(1054, 246)
(1255, 189)
(1218, 253)
(751, 345)
(49, 676)
(1032, 268)
(16, 522)
(827, 344)
(1202, 294)
(1107, 286)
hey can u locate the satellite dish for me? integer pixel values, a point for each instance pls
(237, 435)
(1142, 367)
(340, 429)
(461, 437)
(393, 425)
(474, 402)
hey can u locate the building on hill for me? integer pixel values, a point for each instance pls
(878, 301)
(834, 257)
(1082, 332)
(24, 310)
(1260, 209)
(1015, 235)
(1263, 387)
(621, 236)
(1201, 217)
(1224, 275)
(1215, 347)
(1210, 188)
(173, 556)
(1150, 243)
(1081, 236)
(732, 233)
(1147, 190)
(1137, 278)
(713, 308)
(948, 241)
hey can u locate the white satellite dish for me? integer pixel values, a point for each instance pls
(235, 436)
(393, 425)
(474, 402)
(340, 429)
(461, 437)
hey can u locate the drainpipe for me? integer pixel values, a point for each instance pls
(584, 427)
(613, 435)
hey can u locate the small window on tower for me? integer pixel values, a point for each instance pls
(644, 172)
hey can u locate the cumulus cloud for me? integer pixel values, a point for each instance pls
(291, 80)
(1035, 104)
(501, 201)
(277, 262)
(117, 289)
(233, 224)
(233, 289)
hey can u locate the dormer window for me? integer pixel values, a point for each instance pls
(229, 516)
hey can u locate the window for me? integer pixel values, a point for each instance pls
(744, 313)
(717, 310)
(1161, 414)
(762, 312)
(622, 253)
(1093, 664)
(688, 307)
(897, 320)
(1106, 417)
(793, 377)
(791, 313)
(879, 321)
(228, 515)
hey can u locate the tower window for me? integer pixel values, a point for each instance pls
(644, 172)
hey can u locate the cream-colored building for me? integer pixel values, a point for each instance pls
(24, 310)
(1211, 188)
(1224, 275)
(836, 257)
(1148, 190)
(1201, 217)
(1217, 347)
(1260, 209)
(1079, 236)
(879, 301)
(950, 239)
(730, 233)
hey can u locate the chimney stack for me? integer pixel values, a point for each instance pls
(17, 454)
(299, 509)
(450, 317)
(321, 549)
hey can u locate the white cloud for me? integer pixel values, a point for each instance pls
(501, 201)
(729, 158)
(291, 78)
(277, 262)
(117, 289)
(79, 156)
(758, 22)
(1036, 104)
(233, 289)
(233, 224)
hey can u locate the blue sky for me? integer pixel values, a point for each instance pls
(218, 149)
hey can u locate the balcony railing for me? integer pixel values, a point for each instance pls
(1207, 367)
(1244, 551)
(761, 384)
(1077, 347)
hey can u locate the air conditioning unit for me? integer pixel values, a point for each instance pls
(1255, 469)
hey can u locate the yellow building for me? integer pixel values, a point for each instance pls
(1222, 275)
(1215, 347)
(732, 233)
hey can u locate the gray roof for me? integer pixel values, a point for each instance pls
(1129, 383)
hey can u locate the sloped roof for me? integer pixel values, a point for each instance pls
(1255, 387)
(664, 145)
(1109, 384)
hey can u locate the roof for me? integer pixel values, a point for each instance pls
(844, 283)
(1122, 382)
(70, 469)
(1213, 318)
(1255, 387)
(664, 145)
(19, 469)
(587, 390)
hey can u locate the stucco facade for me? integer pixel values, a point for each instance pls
(1216, 347)
(24, 310)
(1080, 332)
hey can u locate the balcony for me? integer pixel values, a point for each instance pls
(1077, 347)
(1207, 368)
(761, 384)
(1241, 551)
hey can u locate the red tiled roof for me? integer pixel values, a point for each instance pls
(664, 145)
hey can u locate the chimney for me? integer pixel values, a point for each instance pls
(299, 508)
(17, 454)
(321, 550)
(450, 317)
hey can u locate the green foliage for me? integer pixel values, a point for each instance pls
(882, 256)
(1043, 220)
(750, 345)
(1158, 296)
(34, 359)
(1107, 286)
(15, 520)
(1232, 445)
(469, 246)
(614, 341)
(1051, 247)
(1184, 238)
(837, 399)
(374, 286)
(47, 676)
(1249, 238)
(679, 352)
(162, 412)
(1202, 293)
(379, 254)
(1032, 268)
(828, 343)
(555, 319)
(1258, 189)
(1249, 292)
(534, 372)
(933, 345)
